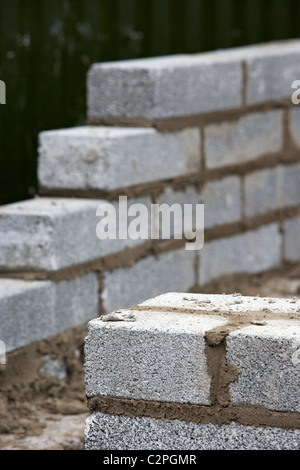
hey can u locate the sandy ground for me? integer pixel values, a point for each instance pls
(59, 433)
(41, 412)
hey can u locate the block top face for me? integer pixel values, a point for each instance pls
(157, 321)
(219, 304)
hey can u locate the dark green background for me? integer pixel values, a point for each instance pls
(47, 46)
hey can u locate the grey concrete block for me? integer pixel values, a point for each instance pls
(295, 124)
(111, 432)
(125, 287)
(35, 310)
(272, 189)
(190, 195)
(292, 239)
(250, 252)
(271, 70)
(222, 201)
(267, 357)
(106, 158)
(244, 140)
(54, 367)
(164, 87)
(26, 311)
(154, 355)
(179, 198)
(54, 233)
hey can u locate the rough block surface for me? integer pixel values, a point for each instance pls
(267, 357)
(272, 189)
(222, 304)
(54, 233)
(244, 140)
(250, 252)
(161, 351)
(35, 310)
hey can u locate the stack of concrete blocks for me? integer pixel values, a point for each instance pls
(195, 372)
(215, 128)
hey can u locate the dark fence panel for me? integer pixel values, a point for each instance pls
(47, 46)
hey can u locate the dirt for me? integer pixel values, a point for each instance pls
(40, 411)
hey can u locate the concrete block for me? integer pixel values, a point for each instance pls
(272, 189)
(26, 311)
(244, 140)
(164, 87)
(250, 252)
(189, 195)
(295, 124)
(222, 201)
(292, 239)
(267, 357)
(224, 304)
(111, 432)
(107, 158)
(150, 355)
(54, 233)
(271, 70)
(124, 287)
(35, 310)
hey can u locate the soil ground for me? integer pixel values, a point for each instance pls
(42, 412)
